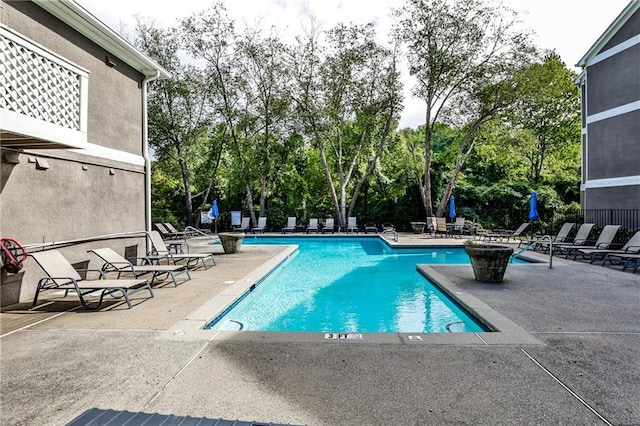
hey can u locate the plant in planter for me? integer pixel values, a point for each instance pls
(489, 262)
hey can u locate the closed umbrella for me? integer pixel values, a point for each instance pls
(213, 214)
(533, 210)
(452, 207)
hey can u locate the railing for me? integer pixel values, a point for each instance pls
(533, 244)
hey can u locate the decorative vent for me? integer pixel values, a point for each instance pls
(35, 86)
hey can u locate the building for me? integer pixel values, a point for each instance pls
(74, 163)
(610, 83)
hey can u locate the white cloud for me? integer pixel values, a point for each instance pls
(570, 27)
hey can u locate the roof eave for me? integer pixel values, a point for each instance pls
(78, 18)
(622, 18)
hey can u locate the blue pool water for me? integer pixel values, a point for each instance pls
(346, 285)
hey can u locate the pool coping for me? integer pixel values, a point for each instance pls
(503, 331)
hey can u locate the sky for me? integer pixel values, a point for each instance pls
(570, 27)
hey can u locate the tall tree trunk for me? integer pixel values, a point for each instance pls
(426, 187)
(188, 200)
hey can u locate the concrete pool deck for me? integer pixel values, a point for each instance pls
(583, 367)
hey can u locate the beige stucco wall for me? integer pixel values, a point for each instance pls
(78, 195)
(115, 95)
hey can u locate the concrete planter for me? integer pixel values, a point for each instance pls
(489, 262)
(231, 242)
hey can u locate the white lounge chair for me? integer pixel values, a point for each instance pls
(244, 225)
(61, 275)
(113, 262)
(329, 225)
(159, 252)
(313, 226)
(352, 224)
(291, 225)
(262, 225)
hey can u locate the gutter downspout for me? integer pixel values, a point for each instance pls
(145, 149)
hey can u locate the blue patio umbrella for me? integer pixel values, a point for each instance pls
(214, 213)
(533, 207)
(533, 210)
(452, 207)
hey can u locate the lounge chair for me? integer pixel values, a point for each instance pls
(431, 225)
(630, 247)
(244, 225)
(291, 225)
(113, 262)
(627, 260)
(604, 241)
(352, 224)
(329, 225)
(458, 227)
(159, 252)
(370, 227)
(580, 239)
(262, 225)
(61, 275)
(561, 237)
(441, 227)
(167, 234)
(501, 235)
(313, 226)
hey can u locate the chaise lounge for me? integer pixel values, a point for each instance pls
(160, 252)
(113, 262)
(630, 247)
(291, 225)
(604, 241)
(61, 275)
(262, 225)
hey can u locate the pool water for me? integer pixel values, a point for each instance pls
(349, 285)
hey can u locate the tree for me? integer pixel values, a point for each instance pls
(550, 110)
(177, 107)
(348, 98)
(454, 48)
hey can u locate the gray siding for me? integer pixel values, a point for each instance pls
(614, 147)
(628, 30)
(614, 81)
(620, 197)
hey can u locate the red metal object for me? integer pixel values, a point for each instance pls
(13, 255)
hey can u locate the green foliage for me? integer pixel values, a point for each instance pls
(308, 129)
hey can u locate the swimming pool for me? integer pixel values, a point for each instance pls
(349, 285)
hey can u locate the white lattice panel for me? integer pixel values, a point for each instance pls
(35, 86)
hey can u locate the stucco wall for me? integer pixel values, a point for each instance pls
(613, 147)
(628, 30)
(614, 81)
(78, 196)
(115, 95)
(623, 197)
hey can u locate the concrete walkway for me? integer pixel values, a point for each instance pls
(582, 365)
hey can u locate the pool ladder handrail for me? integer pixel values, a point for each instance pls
(191, 230)
(533, 244)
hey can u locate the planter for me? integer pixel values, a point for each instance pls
(489, 262)
(231, 242)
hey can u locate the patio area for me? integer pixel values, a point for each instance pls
(59, 361)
